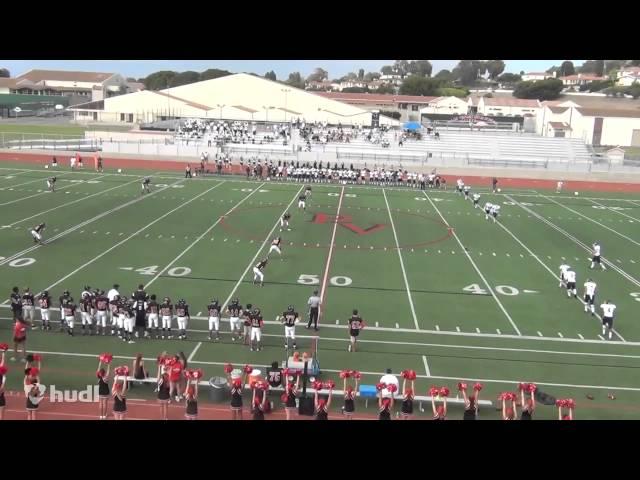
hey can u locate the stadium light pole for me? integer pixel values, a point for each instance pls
(285, 91)
(220, 106)
(266, 109)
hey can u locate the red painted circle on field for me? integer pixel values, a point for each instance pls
(226, 222)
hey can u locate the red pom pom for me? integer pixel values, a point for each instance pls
(228, 368)
(317, 385)
(523, 386)
(284, 397)
(98, 374)
(532, 387)
(512, 396)
(197, 374)
(248, 369)
(462, 386)
(159, 359)
(502, 396)
(329, 384)
(444, 392)
(571, 403)
(3, 370)
(392, 388)
(37, 357)
(477, 387)
(285, 372)
(380, 386)
(413, 375)
(4, 347)
(125, 371)
(561, 403)
(34, 371)
(345, 374)
(356, 374)
(434, 391)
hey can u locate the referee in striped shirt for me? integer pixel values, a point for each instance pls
(314, 307)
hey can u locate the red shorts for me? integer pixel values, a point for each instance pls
(19, 340)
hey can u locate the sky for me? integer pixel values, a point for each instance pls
(282, 68)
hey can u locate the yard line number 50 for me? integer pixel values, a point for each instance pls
(338, 281)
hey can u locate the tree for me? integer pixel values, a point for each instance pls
(445, 76)
(401, 66)
(613, 65)
(420, 67)
(548, 89)
(592, 66)
(596, 86)
(4, 73)
(184, 78)
(467, 71)
(634, 90)
(295, 80)
(509, 78)
(418, 85)
(566, 69)
(271, 76)
(361, 74)
(318, 75)
(387, 70)
(452, 92)
(355, 90)
(495, 68)
(371, 76)
(213, 73)
(159, 80)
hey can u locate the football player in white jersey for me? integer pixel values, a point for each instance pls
(563, 274)
(596, 256)
(495, 211)
(608, 310)
(589, 295)
(570, 276)
(476, 199)
(466, 189)
(487, 210)
(460, 185)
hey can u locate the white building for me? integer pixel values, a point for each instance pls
(628, 76)
(580, 79)
(537, 76)
(446, 106)
(95, 85)
(234, 97)
(507, 107)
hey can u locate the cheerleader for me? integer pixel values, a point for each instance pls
(164, 395)
(349, 395)
(384, 406)
(509, 413)
(470, 403)
(289, 396)
(175, 376)
(20, 336)
(407, 399)
(34, 394)
(528, 404)
(191, 396)
(139, 372)
(3, 381)
(322, 406)
(103, 389)
(570, 405)
(259, 404)
(119, 393)
(236, 398)
(440, 412)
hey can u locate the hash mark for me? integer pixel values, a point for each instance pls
(397, 326)
(438, 328)
(458, 329)
(581, 337)
(540, 333)
(560, 335)
(499, 332)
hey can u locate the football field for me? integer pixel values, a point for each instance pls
(442, 290)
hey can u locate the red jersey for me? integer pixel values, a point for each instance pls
(20, 330)
(175, 372)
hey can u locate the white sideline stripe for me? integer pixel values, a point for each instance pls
(329, 255)
(193, 353)
(262, 245)
(593, 221)
(576, 241)
(72, 202)
(124, 240)
(600, 387)
(426, 365)
(47, 191)
(615, 211)
(200, 237)
(554, 275)
(80, 225)
(455, 235)
(404, 272)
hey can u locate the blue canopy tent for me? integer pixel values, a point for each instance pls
(412, 126)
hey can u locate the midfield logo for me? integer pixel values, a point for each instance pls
(346, 222)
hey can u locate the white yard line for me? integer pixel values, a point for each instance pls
(193, 352)
(325, 276)
(41, 179)
(493, 294)
(73, 202)
(615, 211)
(200, 237)
(612, 265)
(551, 272)
(82, 224)
(124, 240)
(404, 272)
(426, 365)
(46, 191)
(593, 221)
(262, 245)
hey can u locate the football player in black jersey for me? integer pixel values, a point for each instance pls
(256, 329)
(289, 319)
(153, 309)
(246, 332)
(302, 201)
(145, 185)
(235, 310)
(284, 221)
(214, 319)
(51, 184)
(16, 303)
(307, 192)
(28, 306)
(355, 325)
(257, 272)
(182, 313)
(62, 300)
(275, 247)
(44, 300)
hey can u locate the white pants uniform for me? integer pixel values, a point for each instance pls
(101, 318)
(62, 317)
(49, 184)
(214, 323)
(284, 223)
(275, 248)
(44, 314)
(86, 318)
(166, 322)
(182, 323)
(120, 320)
(152, 320)
(301, 204)
(257, 274)
(290, 332)
(29, 312)
(256, 334)
(235, 323)
(70, 321)
(36, 235)
(128, 324)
